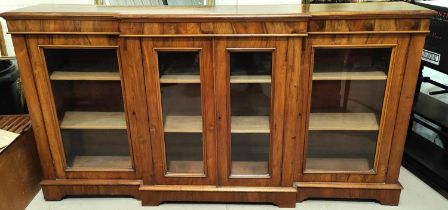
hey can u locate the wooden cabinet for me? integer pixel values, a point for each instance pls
(224, 104)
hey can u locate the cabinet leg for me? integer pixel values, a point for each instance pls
(52, 194)
(284, 204)
(390, 198)
(150, 200)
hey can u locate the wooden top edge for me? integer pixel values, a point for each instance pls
(369, 9)
(297, 11)
(393, 186)
(90, 182)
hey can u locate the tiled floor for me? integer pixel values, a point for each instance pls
(415, 196)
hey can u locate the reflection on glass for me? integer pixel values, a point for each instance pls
(346, 102)
(341, 150)
(89, 104)
(181, 108)
(250, 93)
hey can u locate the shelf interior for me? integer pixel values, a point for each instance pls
(336, 164)
(73, 75)
(180, 79)
(250, 124)
(93, 120)
(250, 79)
(102, 162)
(233, 79)
(343, 121)
(240, 124)
(185, 166)
(362, 75)
(248, 168)
(242, 168)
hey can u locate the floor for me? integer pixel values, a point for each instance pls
(416, 195)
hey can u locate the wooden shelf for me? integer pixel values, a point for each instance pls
(315, 165)
(239, 168)
(250, 124)
(93, 120)
(93, 76)
(233, 79)
(249, 168)
(185, 166)
(183, 124)
(180, 79)
(240, 124)
(251, 79)
(343, 121)
(369, 75)
(102, 162)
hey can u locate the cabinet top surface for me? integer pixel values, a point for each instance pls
(396, 9)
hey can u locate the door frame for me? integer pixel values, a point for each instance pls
(150, 47)
(222, 47)
(399, 45)
(36, 45)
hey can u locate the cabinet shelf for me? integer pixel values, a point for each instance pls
(250, 79)
(185, 166)
(183, 124)
(343, 121)
(93, 120)
(249, 168)
(180, 79)
(92, 76)
(233, 79)
(239, 168)
(240, 124)
(316, 165)
(250, 124)
(369, 75)
(101, 162)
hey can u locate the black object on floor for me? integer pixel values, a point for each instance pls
(10, 94)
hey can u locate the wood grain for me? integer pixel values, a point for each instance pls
(30, 91)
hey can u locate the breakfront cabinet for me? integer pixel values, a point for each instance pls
(220, 104)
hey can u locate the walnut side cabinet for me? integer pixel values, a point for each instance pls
(221, 104)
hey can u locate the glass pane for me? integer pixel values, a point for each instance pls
(250, 92)
(178, 63)
(341, 150)
(181, 107)
(346, 102)
(89, 103)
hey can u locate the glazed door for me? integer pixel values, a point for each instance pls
(81, 93)
(352, 106)
(250, 85)
(180, 96)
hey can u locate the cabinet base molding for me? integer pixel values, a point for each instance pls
(55, 190)
(386, 194)
(153, 195)
(284, 197)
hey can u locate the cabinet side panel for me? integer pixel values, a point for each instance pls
(293, 114)
(406, 99)
(134, 91)
(30, 90)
